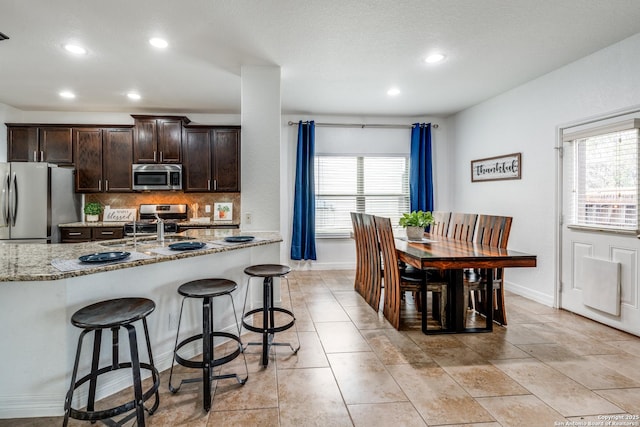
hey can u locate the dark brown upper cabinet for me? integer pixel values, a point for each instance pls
(211, 159)
(34, 143)
(103, 159)
(158, 139)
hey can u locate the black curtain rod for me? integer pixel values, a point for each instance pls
(361, 125)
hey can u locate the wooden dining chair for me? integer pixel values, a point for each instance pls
(371, 285)
(462, 226)
(490, 231)
(358, 237)
(396, 283)
(440, 224)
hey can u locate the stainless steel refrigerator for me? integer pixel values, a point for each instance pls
(35, 198)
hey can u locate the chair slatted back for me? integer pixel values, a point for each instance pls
(441, 223)
(462, 226)
(358, 235)
(392, 293)
(493, 230)
(372, 277)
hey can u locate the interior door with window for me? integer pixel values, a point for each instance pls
(599, 245)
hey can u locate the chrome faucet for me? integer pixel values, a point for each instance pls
(160, 228)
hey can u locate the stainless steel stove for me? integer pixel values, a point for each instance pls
(148, 223)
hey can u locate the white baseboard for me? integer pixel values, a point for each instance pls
(314, 265)
(529, 293)
(46, 405)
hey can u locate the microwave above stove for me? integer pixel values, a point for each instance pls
(148, 177)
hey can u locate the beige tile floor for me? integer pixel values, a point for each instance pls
(547, 368)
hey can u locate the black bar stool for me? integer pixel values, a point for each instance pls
(113, 314)
(207, 289)
(268, 309)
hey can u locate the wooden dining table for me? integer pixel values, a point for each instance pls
(453, 257)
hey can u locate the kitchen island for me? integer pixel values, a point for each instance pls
(41, 288)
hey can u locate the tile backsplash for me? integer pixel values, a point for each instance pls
(134, 200)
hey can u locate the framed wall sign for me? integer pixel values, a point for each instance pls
(508, 166)
(119, 215)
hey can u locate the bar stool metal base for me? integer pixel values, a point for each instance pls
(114, 314)
(268, 310)
(207, 289)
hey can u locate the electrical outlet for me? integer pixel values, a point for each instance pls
(207, 208)
(248, 217)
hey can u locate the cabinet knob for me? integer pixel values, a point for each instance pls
(154, 156)
(209, 184)
(99, 185)
(35, 156)
(161, 157)
(42, 156)
(106, 185)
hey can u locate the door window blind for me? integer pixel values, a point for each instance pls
(377, 185)
(605, 187)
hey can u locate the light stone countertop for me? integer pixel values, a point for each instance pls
(32, 262)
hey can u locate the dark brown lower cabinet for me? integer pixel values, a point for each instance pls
(89, 234)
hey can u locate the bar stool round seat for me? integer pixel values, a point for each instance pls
(114, 314)
(207, 289)
(267, 270)
(269, 327)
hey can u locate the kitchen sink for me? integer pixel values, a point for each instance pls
(149, 240)
(167, 239)
(119, 244)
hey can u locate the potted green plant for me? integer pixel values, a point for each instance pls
(92, 210)
(415, 223)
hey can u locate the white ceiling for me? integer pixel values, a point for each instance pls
(337, 56)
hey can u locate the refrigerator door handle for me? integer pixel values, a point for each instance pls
(15, 200)
(6, 211)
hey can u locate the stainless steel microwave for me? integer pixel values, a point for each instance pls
(149, 177)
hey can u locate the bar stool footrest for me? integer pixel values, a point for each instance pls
(199, 364)
(273, 329)
(113, 412)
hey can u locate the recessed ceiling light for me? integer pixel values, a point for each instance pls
(157, 42)
(394, 91)
(74, 48)
(134, 96)
(434, 58)
(67, 94)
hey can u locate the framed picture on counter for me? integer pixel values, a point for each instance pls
(223, 212)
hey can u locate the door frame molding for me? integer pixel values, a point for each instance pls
(558, 214)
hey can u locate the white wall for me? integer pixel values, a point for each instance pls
(525, 120)
(336, 253)
(261, 173)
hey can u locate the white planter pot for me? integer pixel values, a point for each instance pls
(415, 233)
(91, 218)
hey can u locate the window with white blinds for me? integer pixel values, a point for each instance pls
(605, 187)
(377, 185)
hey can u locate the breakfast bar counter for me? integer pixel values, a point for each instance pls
(25, 262)
(41, 286)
